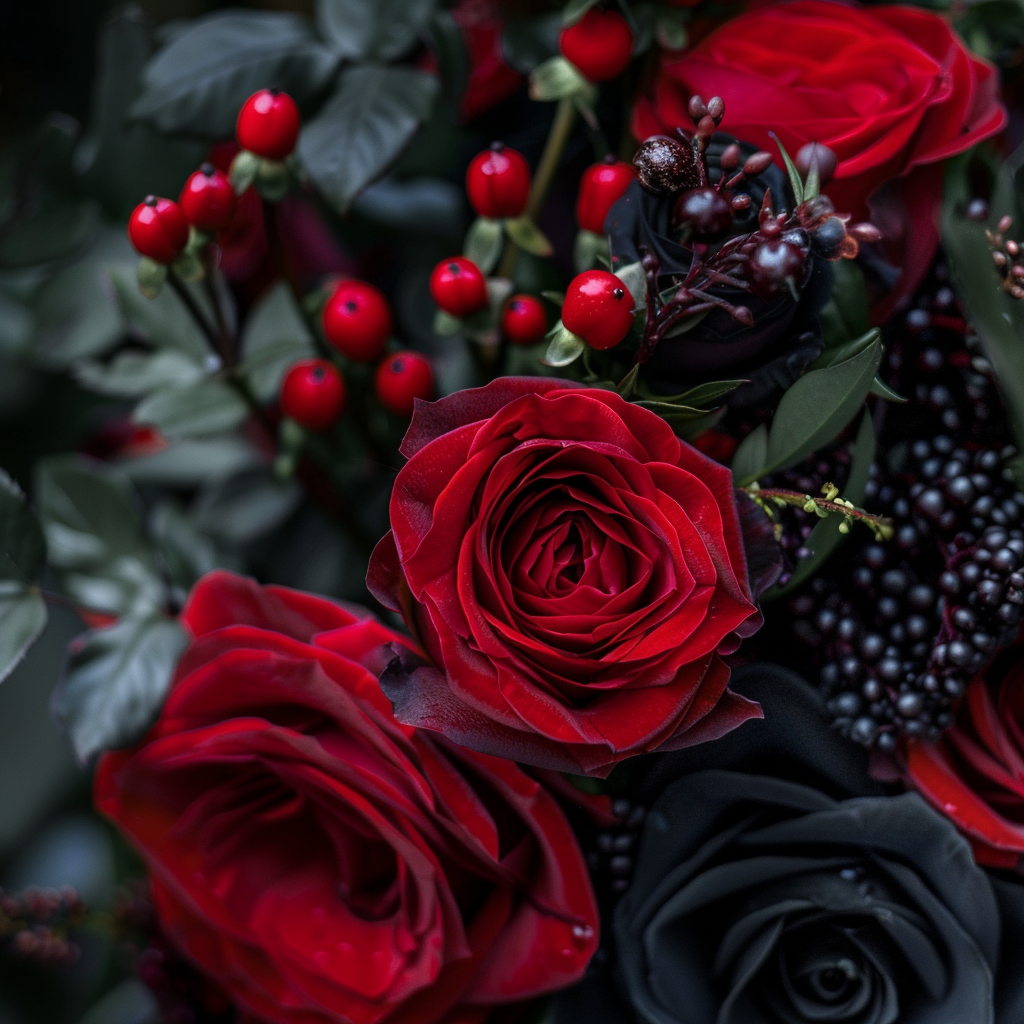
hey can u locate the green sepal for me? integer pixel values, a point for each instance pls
(528, 236)
(564, 347)
(244, 169)
(150, 276)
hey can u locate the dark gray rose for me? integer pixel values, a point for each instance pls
(780, 886)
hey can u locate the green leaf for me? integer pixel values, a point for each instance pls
(633, 277)
(817, 407)
(22, 619)
(527, 43)
(704, 394)
(446, 325)
(882, 390)
(845, 315)
(134, 374)
(22, 545)
(825, 536)
(58, 230)
(557, 79)
(998, 318)
(76, 316)
(150, 277)
(670, 29)
(163, 321)
(528, 236)
(795, 181)
(243, 508)
(210, 406)
(483, 243)
(97, 548)
(575, 9)
(192, 461)
(751, 456)
(382, 30)
(564, 347)
(199, 81)
(847, 350)
(186, 552)
(363, 127)
(17, 325)
(275, 336)
(116, 683)
(587, 250)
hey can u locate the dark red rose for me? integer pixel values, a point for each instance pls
(891, 90)
(975, 773)
(324, 864)
(574, 573)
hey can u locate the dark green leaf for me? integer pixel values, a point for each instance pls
(245, 507)
(795, 181)
(587, 250)
(702, 394)
(17, 325)
(670, 29)
(846, 350)
(882, 390)
(209, 406)
(845, 315)
(59, 229)
(751, 456)
(564, 347)
(22, 546)
(453, 60)
(528, 236)
(525, 44)
(363, 127)
(164, 321)
(199, 81)
(187, 553)
(22, 618)
(825, 536)
(575, 9)
(192, 461)
(116, 682)
(275, 336)
(94, 536)
(484, 243)
(382, 30)
(134, 374)
(633, 277)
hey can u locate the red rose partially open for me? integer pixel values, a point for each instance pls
(975, 773)
(572, 570)
(322, 863)
(890, 89)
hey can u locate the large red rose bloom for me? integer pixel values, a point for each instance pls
(891, 90)
(574, 573)
(975, 773)
(322, 863)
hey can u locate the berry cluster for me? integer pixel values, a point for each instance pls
(34, 925)
(611, 857)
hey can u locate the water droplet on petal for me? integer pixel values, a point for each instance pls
(582, 934)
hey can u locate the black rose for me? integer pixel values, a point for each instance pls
(776, 884)
(785, 336)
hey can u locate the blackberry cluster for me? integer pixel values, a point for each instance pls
(899, 629)
(610, 858)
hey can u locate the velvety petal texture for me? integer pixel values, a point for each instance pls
(323, 863)
(572, 570)
(975, 773)
(765, 892)
(891, 90)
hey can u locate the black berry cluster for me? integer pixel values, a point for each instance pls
(610, 857)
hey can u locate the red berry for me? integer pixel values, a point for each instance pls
(268, 124)
(773, 265)
(208, 200)
(600, 186)
(158, 229)
(401, 379)
(598, 308)
(313, 394)
(524, 320)
(600, 44)
(498, 182)
(458, 287)
(357, 321)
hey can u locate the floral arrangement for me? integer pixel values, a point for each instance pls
(545, 504)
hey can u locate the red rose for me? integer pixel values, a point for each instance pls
(572, 569)
(891, 90)
(322, 863)
(975, 773)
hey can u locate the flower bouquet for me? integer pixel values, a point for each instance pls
(542, 488)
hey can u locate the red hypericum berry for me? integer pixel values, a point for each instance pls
(600, 44)
(313, 394)
(208, 200)
(524, 320)
(600, 186)
(402, 378)
(598, 308)
(268, 124)
(158, 229)
(498, 182)
(458, 287)
(357, 321)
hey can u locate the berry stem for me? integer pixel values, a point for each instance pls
(830, 504)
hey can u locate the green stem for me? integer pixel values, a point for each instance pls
(879, 525)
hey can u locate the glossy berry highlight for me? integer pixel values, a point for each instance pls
(402, 378)
(524, 320)
(598, 308)
(158, 229)
(498, 182)
(458, 287)
(601, 185)
(208, 200)
(268, 124)
(313, 394)
(600, 44)
(357, 321)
